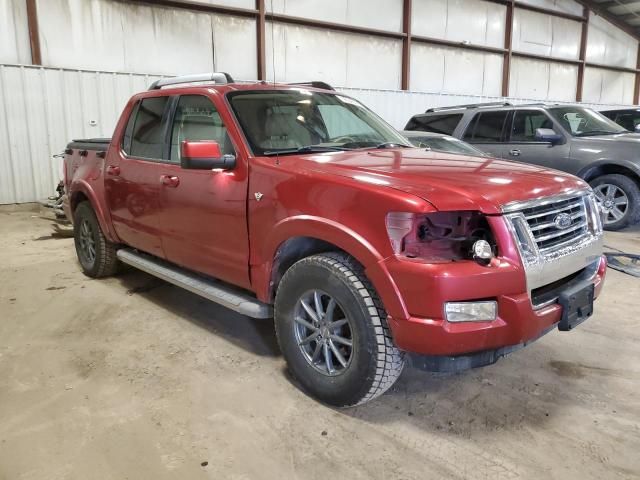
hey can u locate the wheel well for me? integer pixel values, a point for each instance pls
(292, 250)
(608, 169)
(77, 199)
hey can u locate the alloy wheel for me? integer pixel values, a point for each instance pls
(613, 201)
(323, 332)
(87, 241)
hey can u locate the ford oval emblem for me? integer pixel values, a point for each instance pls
(562, 221)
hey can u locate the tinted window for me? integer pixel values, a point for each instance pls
(525, 123)
(581, 122)
(628, 120)
(486, 127)
(147, 140)
(445, 123)
(283, 121)
(128, 131)
(197, 119)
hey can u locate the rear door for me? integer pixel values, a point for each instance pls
(203, 219)
(486, 131)
(132, 175)
(522, 145)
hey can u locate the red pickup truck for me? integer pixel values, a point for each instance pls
(297, 202)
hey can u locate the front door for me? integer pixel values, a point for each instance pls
(132, 176)
(203, 221)
(522, 145)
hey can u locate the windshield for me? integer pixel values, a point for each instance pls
(581, 122)
(302, 121)
(445, 144)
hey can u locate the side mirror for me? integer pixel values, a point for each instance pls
(204, 155)
(637, 128)
(548, 135)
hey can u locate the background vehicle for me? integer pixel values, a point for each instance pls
(441, 143)
(573, 139)
(628, 118)
(298, 202)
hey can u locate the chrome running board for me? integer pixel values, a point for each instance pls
(226, 295)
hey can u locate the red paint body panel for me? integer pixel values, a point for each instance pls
(214, 222)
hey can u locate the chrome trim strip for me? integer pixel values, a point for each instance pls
(540, 201)
(559, 233)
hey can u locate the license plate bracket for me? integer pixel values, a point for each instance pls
(577, 306)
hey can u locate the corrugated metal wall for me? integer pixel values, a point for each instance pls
(42, 109)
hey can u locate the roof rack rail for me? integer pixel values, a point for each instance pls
(470, 105)
(215, 77)
(314, 84)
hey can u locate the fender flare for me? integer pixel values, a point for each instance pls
(608, 162)
(343, 238)
(82, 187)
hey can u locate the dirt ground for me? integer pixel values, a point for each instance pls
(131, 378)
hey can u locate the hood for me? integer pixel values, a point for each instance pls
(626, 137)
(447, 181)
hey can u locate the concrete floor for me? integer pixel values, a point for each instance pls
(129, 377)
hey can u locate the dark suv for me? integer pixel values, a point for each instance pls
(571, 138)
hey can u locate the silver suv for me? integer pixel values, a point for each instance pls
(570, 138)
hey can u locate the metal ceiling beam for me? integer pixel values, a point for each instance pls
(601, 11)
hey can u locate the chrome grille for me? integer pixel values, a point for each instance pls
(542, 223)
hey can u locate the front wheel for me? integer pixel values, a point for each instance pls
(333, 332)
(619, 198)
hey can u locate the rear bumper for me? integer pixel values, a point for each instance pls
(518, 322)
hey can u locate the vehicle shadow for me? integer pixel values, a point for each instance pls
(253, 335)
(524, 390)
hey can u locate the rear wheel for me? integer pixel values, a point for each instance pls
(96, 254)
(333, 332)
(619, 198)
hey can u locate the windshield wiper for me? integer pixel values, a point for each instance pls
(306, 149)
(597, 132)
(391, 145)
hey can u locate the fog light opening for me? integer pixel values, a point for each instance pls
(485, 311)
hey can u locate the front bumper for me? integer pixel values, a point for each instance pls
(427, 287)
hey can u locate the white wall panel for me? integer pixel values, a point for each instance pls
(453, 70)
(41, 110)
(473, 21)
(14, 32)
(566, 6)
(380, 14)
(609, 45)
(542, 80)
(108, 35)
(547, 35)
(303, 53)
(606, 86)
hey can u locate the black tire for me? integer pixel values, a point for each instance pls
(632, 212)
(374, 361)
(86, 229)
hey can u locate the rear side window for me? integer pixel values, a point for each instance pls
(525, 124)
(445, 123)
(486, 127)
(148, 137)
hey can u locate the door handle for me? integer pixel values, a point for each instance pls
(514, 152)
(170, 181)
(113, 170)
